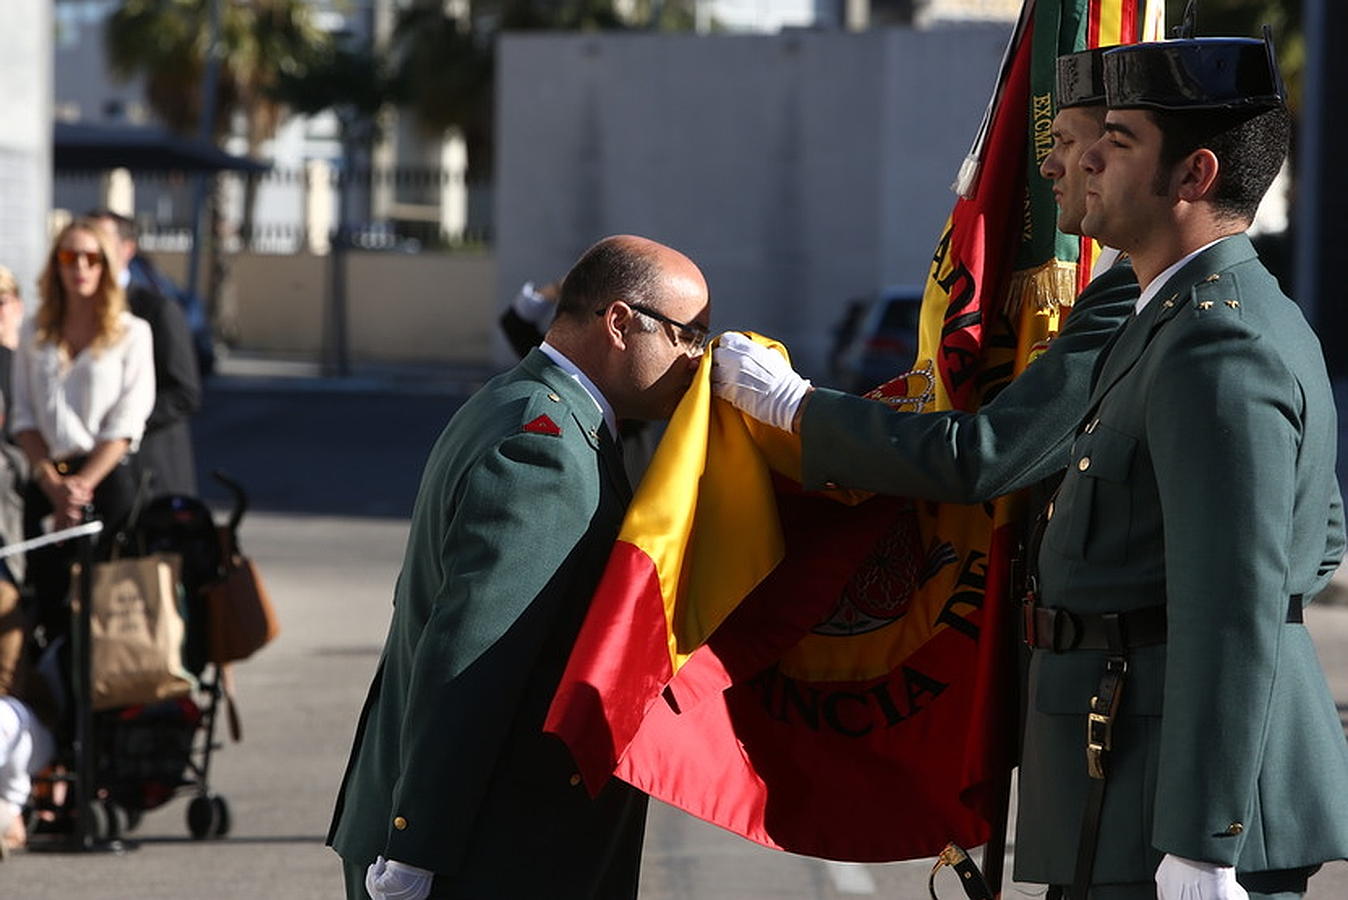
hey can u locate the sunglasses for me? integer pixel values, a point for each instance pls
(690, 334)
(92, 258)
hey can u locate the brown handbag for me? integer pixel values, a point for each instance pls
(241, 614)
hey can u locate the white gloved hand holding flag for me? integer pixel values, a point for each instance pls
(757, 380)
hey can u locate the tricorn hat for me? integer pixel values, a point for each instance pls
(1194, 73)
(1080, 81)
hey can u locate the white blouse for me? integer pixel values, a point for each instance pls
(105, 393)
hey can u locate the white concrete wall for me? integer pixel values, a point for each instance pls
(431, 308)
(799, 170)
(25, 141)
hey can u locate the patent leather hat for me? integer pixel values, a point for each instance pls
(1193, 74)
(1080, 79)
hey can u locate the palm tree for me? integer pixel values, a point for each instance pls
(260, 43)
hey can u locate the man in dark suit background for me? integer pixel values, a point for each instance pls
(166, 450)
(452, 789)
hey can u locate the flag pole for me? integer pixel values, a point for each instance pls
(994, 852)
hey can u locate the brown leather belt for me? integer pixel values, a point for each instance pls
(1060, 630)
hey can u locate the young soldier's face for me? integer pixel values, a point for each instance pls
(1122, 205)
(1074, 130)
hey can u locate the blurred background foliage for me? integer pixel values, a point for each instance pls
(440, 63)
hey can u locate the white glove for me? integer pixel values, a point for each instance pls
(756, 380)
(1178, 878)
(388, 879)
(532, 305)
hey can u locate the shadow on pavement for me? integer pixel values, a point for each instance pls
(317, 449)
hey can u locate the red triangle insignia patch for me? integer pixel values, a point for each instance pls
(543, 425)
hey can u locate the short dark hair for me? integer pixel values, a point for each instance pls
(613, 269)
(126, 227)
(1250, 147)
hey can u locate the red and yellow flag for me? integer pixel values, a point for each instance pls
(827, 673)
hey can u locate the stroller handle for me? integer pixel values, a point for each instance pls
(240, 499)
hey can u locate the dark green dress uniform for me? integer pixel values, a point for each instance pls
(1202, 482)
(1020, 437)
(519, 504)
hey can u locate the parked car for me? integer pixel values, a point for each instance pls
(883, 342)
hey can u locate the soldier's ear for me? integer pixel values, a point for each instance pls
(1196, 175)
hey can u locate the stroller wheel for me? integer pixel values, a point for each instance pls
(200, 817)
(110, 821)
(222, 819)
(208, 817)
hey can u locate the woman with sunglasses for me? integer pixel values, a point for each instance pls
(83, 386)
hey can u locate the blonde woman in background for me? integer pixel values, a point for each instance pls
(83, 386)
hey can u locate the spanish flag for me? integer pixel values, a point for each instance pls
(830, 673)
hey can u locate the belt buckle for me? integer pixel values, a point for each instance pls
(1100, 719)
(1099, 740)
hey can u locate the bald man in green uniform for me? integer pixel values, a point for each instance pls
(452, 789)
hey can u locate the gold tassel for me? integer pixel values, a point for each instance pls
(1047, 288)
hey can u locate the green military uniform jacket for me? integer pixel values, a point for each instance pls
(1018, 438)
(519, 505)
(1202, 479)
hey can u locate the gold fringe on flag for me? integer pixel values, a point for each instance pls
(1047, 288)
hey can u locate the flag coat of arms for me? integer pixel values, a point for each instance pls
(831, 673)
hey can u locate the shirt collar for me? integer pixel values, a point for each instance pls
(570, 368)
(1154, 287)
(1105, 261)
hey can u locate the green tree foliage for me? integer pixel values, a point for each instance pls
(262, 42)
(343, 77)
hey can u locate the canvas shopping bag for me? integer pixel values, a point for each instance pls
(242, 618)
(136, 632)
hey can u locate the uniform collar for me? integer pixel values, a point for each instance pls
(1154, 287)
(570, 368)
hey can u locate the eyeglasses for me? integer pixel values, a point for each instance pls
(691, 334)
(92, 258)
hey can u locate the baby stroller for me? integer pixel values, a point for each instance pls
(146, 755)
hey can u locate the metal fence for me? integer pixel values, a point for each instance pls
(401, 209)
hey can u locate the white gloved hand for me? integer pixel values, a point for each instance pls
(1178, 878)
(756, 380)
(388, 879)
